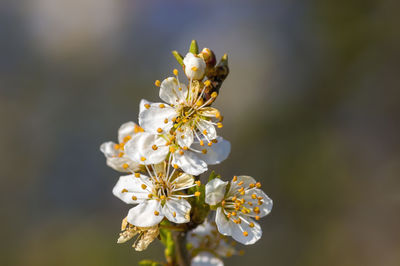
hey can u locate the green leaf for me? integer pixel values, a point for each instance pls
(148, 263)
(178, 57)
(213, 175)
(194, 48)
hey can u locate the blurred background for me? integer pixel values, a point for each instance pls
(311, 108)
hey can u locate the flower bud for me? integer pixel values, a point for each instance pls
(194, 66)
(208, 56)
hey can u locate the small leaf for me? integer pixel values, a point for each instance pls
(213, 175)
(148, 263)
(178, 57)
(194, 48)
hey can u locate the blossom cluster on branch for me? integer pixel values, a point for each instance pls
(163, 157)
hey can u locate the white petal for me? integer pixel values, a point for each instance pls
(190, 163)
(118, 163)
(254, 233)
(208, 111)
(183, 181)
(141, 147)
(265, 207)
(177, 211)
(207, 126)
(247, 180)
(172, 92)
(184, 137)
(194, 66)
(215, 191)
(154, 118)
(128, 186)
(108, 149)
(127, 129)
(223, 224)
(206, 259)
(217, 153)
(144, 214)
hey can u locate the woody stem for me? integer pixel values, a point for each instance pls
(181, 253)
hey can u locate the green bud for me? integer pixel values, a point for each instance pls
(194, 48)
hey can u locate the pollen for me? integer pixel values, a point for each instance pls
(157, 83)
(125, 165)
(176, 72)
(180, 88)
(127, 138)
(120, 154)
(201, 143)
(210, 144)
(205, 132)
(223, 203)
(162, 197)
(194, 68)
(183, 136)
(200, 102)
(143, 159)
(257, 217)
(174, 214)
(134, 198)
(234, 179)
(181, 152)
(233, 213)
(240, 183)
(204, 151)
(197, 193)
(258, 185)
(116, 146)
(144, 186)
(241, 189)
(245, 233)
(185, 148)
(252, 185)
(219, 125)
(214, 94)
(172, 149)
(150, 196)
(242, 193)
(154, 147)
(207, 82)
(137, 175)
(254, 196)
(124, 190)
(147, 106)
(251, 225)
(214, 141)
(198, 183)
(176, 166)
(159, 130)
(161, 105)
(234, 198)
(156, 213)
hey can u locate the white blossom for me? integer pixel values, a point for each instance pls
(237, 205)
(195, 67)
(114, 152)
(147, 148)
(158, 195)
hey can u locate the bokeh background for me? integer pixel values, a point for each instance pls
(311, 108)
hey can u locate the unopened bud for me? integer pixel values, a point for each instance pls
(208, 56)
(194, 66)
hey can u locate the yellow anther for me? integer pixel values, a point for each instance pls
(156, 213)
(198, 183)
(180, 88)
(241, 252)
(120, 154)
(137, 175)
(171, 138)
(124, 190)
(161, 105)
(204, 151)
(127, 138)
(147, 106)
(194, 68)
(150, 196)
(233, 213)
(134, 198)
(252, 185)
(234, 179)
(154, 147)
(183, 136)
(197, 193)
(240, 189)
(219, 125)
(256, 210)
(205, 132)
(116, 146)
(242, 201)
(210, 144)
(174, 214)
(258, 185)
(157, 83)
(207, 82)
(143, 159)
(214, 94)
(257, 217)
(214, 141)
(181, 152)
(159, 130)
(223, 203)
(144, 186)
(251, 225)
(254, 196)
(242, 193)
(176, 166)
(229, 215)
(175, 72)
(185, 148)
(200, 102)
(250, 203)
(173, 119)
(162, 197)
(245, 233)
(201, 143)
(125, 165)
(172, 149)
(240, 183)
(234, 198)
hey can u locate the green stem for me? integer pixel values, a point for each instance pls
(181, 252)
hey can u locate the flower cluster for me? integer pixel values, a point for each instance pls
(163, 157)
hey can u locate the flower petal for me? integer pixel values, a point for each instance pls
(215, 191)
(127, 129)
(146, 148)
(177, 210)
(146, 214)
(209, 111)
(190, 163)
(183, 181)
(119, 164)
(184, 136)
(239, 230)
(217, 153)
(223, 224)
(156, 117)
(247, 180)
(266, 206)
(129, 186)
(173, 92)
(206, 259)
(207, 128)
(108, 149)
(194, 66)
